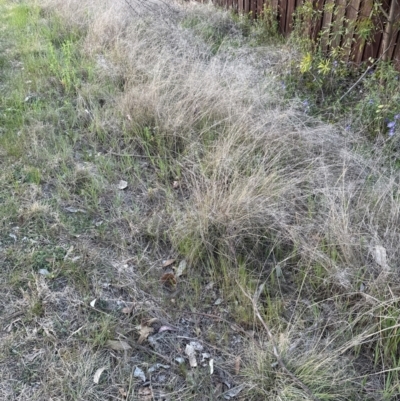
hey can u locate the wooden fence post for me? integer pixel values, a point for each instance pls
(327, 24)
(317, 19)
(351, 19)
(291, 5)
(388, 41)
(338, 20)
(363, 18)
(282, 15)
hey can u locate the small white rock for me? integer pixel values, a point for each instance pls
(122, 185)
(139, 374)
(44, 272)
(191, 353)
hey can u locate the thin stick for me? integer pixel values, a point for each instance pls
(275, 348)
(138, 155)
(357, 82)
(363, 75)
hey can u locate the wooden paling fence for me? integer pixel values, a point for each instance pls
(364, 29)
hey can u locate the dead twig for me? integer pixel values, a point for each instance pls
(138, 155)
(275, 348)
(364, 74)
(358, 80)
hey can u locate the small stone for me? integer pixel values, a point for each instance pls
(122, 185)
(44, 272)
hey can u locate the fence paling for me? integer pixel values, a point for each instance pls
(388, 37)
(351, 18)
(318, 21)
(282, 6)
(396, 54)
(326, 24)
(260, 6)
(359, 45)
(291, 5)
(337, 24)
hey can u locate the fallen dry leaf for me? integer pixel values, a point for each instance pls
(165, 328)
(278, 272)
(73, 210)
(156, 367)
(118, 345)
(144, 332)
(196, 345)
(96, 377)
(128, 309)
(218, 389)
(168, 279)
(261, 288)
(191, 353)
(122, 392)
(233, 392)
(70, 250)
(139, 374)
(181, 268)
(211, 363)
(145, 394)
(380, 257)
(149, 322)
(209, 286)
(168, 262)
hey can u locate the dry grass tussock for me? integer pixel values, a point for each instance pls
(266, 196)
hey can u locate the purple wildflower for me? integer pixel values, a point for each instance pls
(306, 105)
